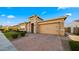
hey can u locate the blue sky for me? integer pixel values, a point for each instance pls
(16, 15)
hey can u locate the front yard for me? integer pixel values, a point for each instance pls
(40, 42)
(11, 35)
(74, 42)
(74, 45)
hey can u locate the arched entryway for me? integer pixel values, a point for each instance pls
(32, 28)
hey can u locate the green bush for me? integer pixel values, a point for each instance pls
(2, 30)
(69, 30)
(22, 33)
(14, 36)
(74, 45)
(11, 35)
(77, 31)
(8, 35)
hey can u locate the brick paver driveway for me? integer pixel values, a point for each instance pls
(40, 42)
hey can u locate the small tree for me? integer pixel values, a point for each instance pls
(68, 29)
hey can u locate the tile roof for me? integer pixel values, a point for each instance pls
(36, 16)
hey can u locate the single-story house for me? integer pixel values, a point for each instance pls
(22, 26)
(51, 26)
(74, 26)
(5, 28)
(15, 27)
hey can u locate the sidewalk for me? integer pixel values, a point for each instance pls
(73, 37)
(5, 44)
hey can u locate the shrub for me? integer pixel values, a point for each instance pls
(22, 33)
(10, 30)
(77, 32)
(74, 45)
(2, 30)
(11, 35)
(69, 30)
(14, 36)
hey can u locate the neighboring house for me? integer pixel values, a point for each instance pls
(22, 26)
(15, 27)
(0, 26)
(74, 26)
(5, 28)
(51, 26)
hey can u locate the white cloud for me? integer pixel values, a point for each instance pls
(11, 16)
(69, 14)
(44, 12)
(3, 15)
(62, 8)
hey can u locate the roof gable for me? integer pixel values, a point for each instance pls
(35, 16)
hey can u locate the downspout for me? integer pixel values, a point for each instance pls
(59, 28)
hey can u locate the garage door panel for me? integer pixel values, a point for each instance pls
(49, 29)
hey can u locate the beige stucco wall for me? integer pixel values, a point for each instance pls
(28, 27)
(55, 27)
(34, 20)
(52, 26)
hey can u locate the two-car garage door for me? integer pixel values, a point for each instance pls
(50, 28)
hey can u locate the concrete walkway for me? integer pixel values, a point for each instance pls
(5, 44)
(73, 37)
(40, 42)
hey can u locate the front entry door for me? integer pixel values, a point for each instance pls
(32, 28)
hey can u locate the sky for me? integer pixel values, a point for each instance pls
(15, 15)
